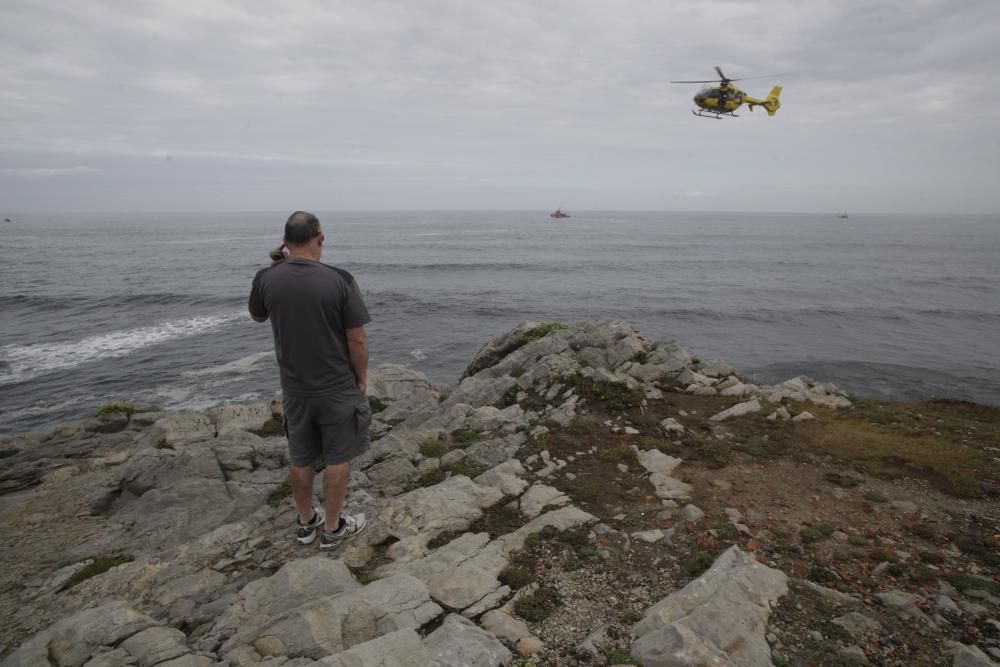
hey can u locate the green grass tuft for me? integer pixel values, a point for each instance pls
(100, 565)
(541, 331)
(271, 427)
(283, 491)
(698, 564)
(111, 408)
(515, 577)
(619, 656)
(816, 533)
(432, 449)
(537, 606)
(376, 404)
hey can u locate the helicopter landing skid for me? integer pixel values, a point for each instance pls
(701, 113)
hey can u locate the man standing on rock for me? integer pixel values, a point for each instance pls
(318, 319)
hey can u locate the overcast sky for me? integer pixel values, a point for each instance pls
(194, 105)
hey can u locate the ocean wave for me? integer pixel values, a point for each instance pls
(62, 302)
(24, 362)
(239, 366)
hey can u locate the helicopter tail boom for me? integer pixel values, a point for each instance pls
(771, 102)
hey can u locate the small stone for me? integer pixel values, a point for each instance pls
(622, 467)
(904, 507)
(649, 536)
(631, 431)
(529, 646)
(772, 638)
(733, 514)
(946, 604)
(805, 415)
(692, 513)
(570, 476)
(839, 536)
(852, 655)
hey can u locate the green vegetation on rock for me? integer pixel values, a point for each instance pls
(616, 396)
(111, 408)
(541, 331)
(431, 448)
(100, 565)
(376, 404)
(283, 491)
(537, 606)
(272, 426)
(815, 533)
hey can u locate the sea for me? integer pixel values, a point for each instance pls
(151, 308)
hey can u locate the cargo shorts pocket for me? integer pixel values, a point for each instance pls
(363, 417)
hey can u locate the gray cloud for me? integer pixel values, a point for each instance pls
(446, 104)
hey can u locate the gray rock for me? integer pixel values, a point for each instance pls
(858, 624)
(402, 648)
(297, 583)
(180, 428)
(539, 496)
(901, 602)
(904, 507)
(669, 488)
(73, 640)
(493, 452)
(721, 617)
(716, 369)
(655, 461)
(692, 513)
(672, 427)
(504, 626)
(229, 418)
(461, 642)
(805, 415)
(649, 536)
(852, 655)
(505, 477)
(968, 656)
(944, 603)
(449, 506)
(393, 382)
(153, 646)
(337, 622)
(737, 410)
(392, 472)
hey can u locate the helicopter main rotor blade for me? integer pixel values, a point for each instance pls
(721, 75)
(708, 81)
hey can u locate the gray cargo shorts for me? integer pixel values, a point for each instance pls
(334, 427)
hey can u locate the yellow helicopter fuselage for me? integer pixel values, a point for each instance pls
(726, 99)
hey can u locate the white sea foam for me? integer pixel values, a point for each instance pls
(418, 354)
(27, 361)
(236, 367)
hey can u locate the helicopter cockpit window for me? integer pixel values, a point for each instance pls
(708, 92)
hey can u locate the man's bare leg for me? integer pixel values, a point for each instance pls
(335, 480)
(301, 481)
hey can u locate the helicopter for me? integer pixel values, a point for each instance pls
(724, 99)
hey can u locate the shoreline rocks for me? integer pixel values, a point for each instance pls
(188, 514)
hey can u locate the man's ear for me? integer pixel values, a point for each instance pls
(320, 239)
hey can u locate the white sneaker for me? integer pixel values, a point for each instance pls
(307, 531)
(353, 524)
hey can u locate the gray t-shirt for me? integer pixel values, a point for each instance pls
(311, 306)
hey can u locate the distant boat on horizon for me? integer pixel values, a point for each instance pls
(841, 215)
(558, 213)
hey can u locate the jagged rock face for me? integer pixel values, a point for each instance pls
(717, 619)
(185, 494)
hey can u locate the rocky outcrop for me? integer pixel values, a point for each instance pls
(181, 554)
(718, 619)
